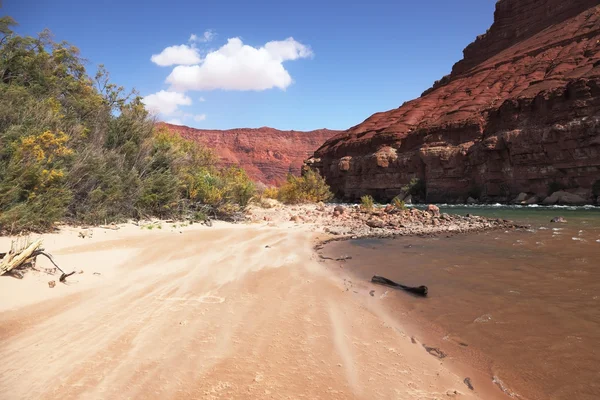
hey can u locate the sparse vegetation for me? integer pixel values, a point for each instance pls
(79, 148)
(416, 187)
(399, 204)
(309, 188)
(367, 203)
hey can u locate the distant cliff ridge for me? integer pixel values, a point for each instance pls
(267, 154)
(520, 113)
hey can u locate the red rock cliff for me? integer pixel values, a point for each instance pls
(267, 154)
(520, 113)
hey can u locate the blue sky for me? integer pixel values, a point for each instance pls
(346, 61)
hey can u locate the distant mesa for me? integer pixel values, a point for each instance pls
(267, 154)
(519, 114)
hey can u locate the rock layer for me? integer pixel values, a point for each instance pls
(267, 154)
(520, 113)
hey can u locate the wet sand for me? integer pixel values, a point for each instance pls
(244, 311)
(522, 308)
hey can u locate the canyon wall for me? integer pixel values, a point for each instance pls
(520, 113)
(267, 154)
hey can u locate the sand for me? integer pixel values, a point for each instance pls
(231, 311)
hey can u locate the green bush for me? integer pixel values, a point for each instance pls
(79, 148)
(367, 202)
(416, 187)
(309, 188)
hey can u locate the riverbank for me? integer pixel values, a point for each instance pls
(228, 311)
(520, 307)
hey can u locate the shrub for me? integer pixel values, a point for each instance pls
(367, 202)
(309, 188)
(399, 204)
(416, 187)
(271, 193)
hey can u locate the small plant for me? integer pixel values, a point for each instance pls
(270, 193)
(416, 187)
(367, 202)
(399, 204)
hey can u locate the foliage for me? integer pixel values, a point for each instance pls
(271, 193)
(309, 188)
(416, 187)
(399, 204)
(367, 202)
(79, 148)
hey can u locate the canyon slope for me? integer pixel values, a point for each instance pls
(267, 154)
(519, 114)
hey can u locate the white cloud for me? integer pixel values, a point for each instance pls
(177, 55)
(207, 36)
(236, 66)
(166, 102)
(199, 117)
(201, 99)
(174, 121)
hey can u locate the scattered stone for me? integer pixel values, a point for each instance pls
(295, 218)
(433, 210)
(374, 222)
(467, 382)
(80, 271)
(86, 233)
(372, 293)
(560, 220)
(520, 198)
(471, 200)
(562, 197)
(51, 284)
(96, 273)
(340, 209)
(320, 206)
(413, 340)
(336, 213)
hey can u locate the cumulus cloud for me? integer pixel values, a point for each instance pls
(207, 36)
(166, 102)
(174, 121)
(177, 55)
(236, 66)
(201, 99)
(199, 117)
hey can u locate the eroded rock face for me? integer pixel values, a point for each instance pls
(520, 113)
(267, 154)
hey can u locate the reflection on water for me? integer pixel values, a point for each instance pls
(529, 301)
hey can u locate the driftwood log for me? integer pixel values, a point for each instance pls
(17, 257)
(418, 290)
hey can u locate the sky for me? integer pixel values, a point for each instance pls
(298, 65)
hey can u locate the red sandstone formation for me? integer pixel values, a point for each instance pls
(267, 154)
(520, 113)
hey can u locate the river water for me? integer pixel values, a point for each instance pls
(523, 308)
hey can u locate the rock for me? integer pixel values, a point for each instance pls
(295, 218)
(51, 284)
(433, 210)
(471, 200)
(320, 206)
(408, 199)
(532, 200)
(339, 209)
(520, 198)
(86, 233)
(372, 293)
(389, 209)
(522, 104)
(562, 197)
(336, 213)
(561, 220)
(375, 223)
(267, 154)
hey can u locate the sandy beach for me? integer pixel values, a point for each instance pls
(228, 311)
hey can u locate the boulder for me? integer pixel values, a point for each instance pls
(433, 210)
(566, 198)
(520, 198)
(532, 200)
(560, 220)
(471, 200)
(340, 209)
(408, 199)
(375, 223)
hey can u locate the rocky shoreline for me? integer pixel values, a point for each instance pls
(343, 222)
